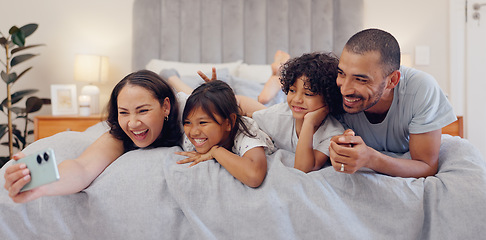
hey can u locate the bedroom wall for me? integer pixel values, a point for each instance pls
(105, 27)
(68, 28)
(416, 23)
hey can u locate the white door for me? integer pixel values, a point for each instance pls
(475, 114)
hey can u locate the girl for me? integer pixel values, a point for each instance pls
(142, 113)
(310, 84)
(214, 129)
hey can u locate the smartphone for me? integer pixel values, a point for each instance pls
(43, 168)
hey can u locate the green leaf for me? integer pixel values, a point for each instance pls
(46, 101)
(4, 76)
(18, 38)
(3, 130)
(33, 104)
(3, 41)
(18, 59)
(13, 30)
(28, 29)
(17, 96)
(17, 110)
(18, 134)
(22, 73)
(12, 77)
(25, 47)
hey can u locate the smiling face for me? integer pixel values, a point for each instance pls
(203, 131)
(140, 114)
(301, 100)
(361, 80)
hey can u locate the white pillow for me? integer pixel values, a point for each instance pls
(255, 72)
(190, 69)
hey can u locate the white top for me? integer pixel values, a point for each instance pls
(418, 106)
(242, 142)
(277, 121)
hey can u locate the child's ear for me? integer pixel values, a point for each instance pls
(231, 122)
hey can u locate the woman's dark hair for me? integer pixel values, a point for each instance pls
(320, 69)
(217, 98)
(171, 133)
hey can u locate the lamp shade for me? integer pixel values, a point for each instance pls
(91, 68)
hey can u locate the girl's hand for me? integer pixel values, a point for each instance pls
(16, 176)
(317, 116)
(196, 157)
(205, 78)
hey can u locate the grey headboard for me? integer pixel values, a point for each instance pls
(215, 31)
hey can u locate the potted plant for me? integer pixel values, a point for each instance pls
(14, 45)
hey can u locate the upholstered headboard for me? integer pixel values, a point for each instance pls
(216, 31)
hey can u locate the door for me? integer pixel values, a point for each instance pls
(475, 119)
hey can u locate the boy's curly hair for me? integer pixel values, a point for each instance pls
(321, 72)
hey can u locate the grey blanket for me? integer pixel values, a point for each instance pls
(145, 195)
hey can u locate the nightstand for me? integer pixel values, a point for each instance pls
(45, 126)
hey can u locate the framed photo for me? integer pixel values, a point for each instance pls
(63, 99)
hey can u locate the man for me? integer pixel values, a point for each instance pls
(389, 109)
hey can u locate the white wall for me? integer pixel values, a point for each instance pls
(68, 28)
(416, 23)
(105, 28)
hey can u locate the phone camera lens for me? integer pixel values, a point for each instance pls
(39, 159)
(46, 156)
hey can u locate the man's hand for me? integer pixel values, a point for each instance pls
(349, 153)
(205, 78)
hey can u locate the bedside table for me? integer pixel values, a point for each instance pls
(45, 126)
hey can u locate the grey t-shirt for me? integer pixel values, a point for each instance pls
(277, 121)
(418, 106)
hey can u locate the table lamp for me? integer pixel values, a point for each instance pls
(92, 69)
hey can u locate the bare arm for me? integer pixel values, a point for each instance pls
(250, 169)
(76, 174)
(306, 158)
(424, 150)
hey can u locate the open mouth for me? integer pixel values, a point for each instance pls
(140, 134)
(199, 141)
(350, 101)
(298, 109)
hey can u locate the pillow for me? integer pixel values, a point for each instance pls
(190, 69)
(194, 81)
(254, 72)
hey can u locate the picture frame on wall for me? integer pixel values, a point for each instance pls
(63, 99)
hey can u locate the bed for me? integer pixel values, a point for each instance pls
(145, 195)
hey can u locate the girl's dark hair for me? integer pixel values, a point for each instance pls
(171, 133)
(217, 98)
(321, 72)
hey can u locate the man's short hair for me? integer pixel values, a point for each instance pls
(377, 40)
